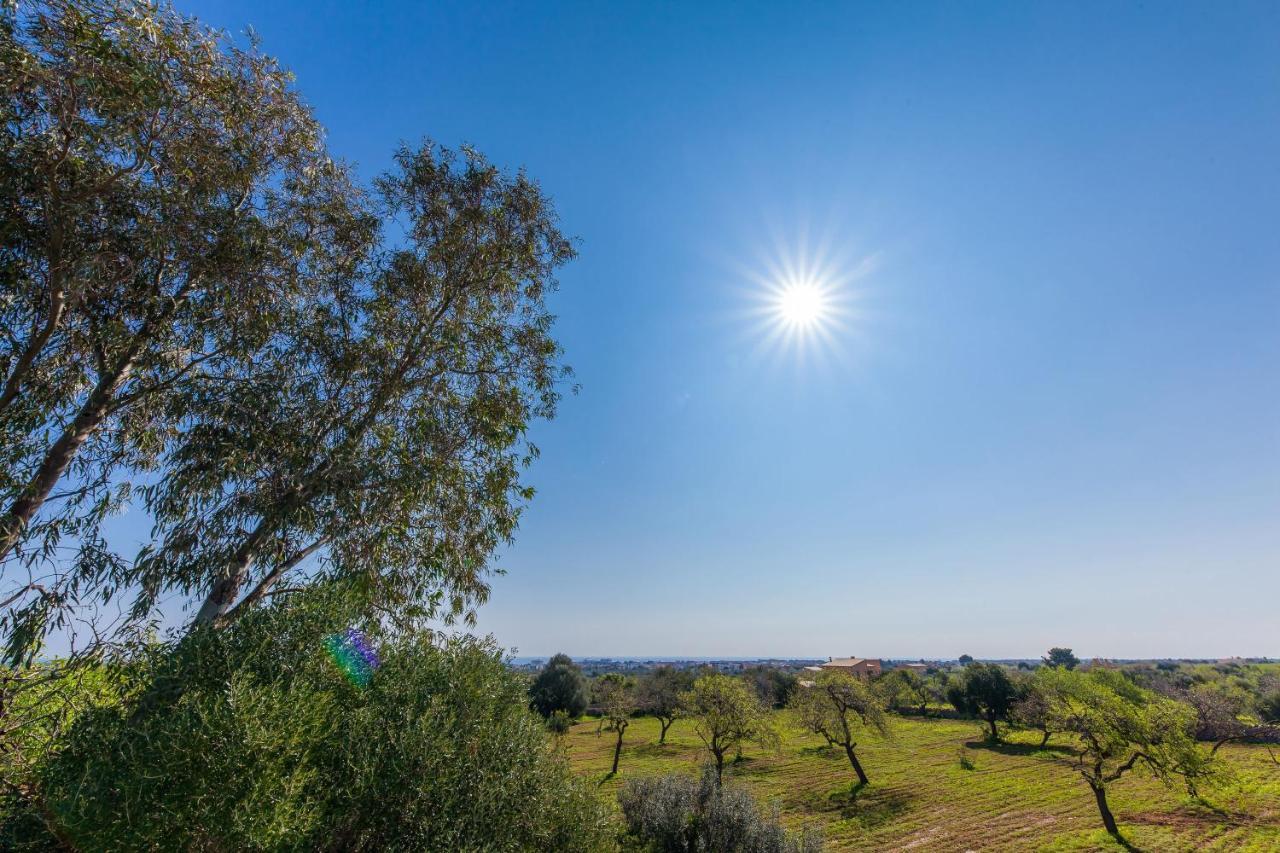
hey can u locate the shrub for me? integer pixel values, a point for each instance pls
(677, 814)
(559, 723)
(250, 738)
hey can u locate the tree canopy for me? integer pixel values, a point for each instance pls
(1119, 727)
(1061, 657)
(984, 690)
(560, 686)
(726, 714)
(311, 378)
(658, 694)
(836, 706)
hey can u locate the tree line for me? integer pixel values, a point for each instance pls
(1111, 721)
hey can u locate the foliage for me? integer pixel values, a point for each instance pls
(1121, 726)
(1061, 657)
(726, 714)
(617, 703)
(965, 660)
(658, 695)
(984, 690)
(560, 686)
(166, 199)
(301, 366)
(677, 814)
(38, 705)
(268, 746)
(559, 723)
(402, 400)
(774, 686)
(1031, 709)
(902, 687)
(835, 706)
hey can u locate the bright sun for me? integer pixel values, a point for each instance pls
(801, 304)
(806, 301)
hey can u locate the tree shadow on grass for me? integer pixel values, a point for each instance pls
(827, 752)
(1004, 748)
(653, 749)
(874, 808)
(868, 805)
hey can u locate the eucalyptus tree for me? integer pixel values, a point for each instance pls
(1119, 727)
(384, 426)
(164, 197)
(836, 707)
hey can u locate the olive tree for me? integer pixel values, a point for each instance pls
(1120, 727)
(658, 695)
(617, 702)
(837, 706)
(1031, 708)
(726, 713)
(271, 748)
(984, 690)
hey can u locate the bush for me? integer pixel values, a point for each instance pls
(251, 739)
(559, 723)
(677, 814)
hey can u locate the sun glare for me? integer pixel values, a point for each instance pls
(806, 300)
(801, 304)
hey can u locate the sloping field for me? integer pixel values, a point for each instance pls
(922, 795)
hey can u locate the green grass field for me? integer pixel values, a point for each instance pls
(923, 797)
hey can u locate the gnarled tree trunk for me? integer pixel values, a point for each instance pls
(857, 765)
(1108, 819)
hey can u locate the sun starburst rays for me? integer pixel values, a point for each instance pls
(804, 303)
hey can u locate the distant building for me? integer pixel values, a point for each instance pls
(917, 668)
(861, 667)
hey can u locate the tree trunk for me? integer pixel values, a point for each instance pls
(617, 751)
(1044, 740)
(224, 590)
(666, 724)
(857, 766)
(1108, 820)
(87, 421)
(59, 456)
(995, 733)
(719, 753)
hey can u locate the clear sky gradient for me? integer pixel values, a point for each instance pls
(1049, 412)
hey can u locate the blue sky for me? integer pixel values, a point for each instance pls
(1050, 413)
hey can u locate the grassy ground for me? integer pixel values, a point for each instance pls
(924, 796)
